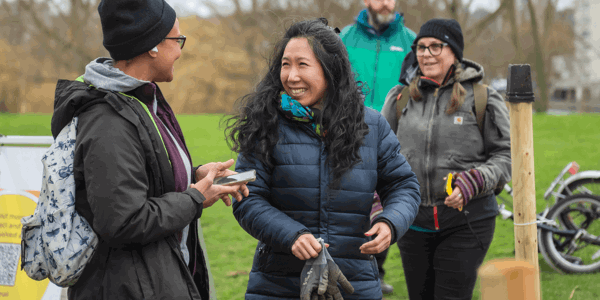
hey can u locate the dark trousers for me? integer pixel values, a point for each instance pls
(444, 265)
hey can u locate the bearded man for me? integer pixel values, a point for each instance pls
(377, 43)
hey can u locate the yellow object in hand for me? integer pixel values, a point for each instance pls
(449, 184)
(449, 187)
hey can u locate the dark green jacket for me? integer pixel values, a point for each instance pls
(376, 58)
(125, 188)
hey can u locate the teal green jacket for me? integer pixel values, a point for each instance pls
(376, 58)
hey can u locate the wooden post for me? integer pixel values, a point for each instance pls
(507, 279)
(520, 97)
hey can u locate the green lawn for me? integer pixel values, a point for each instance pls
(557, 141)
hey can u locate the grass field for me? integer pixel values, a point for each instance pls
(557, 141)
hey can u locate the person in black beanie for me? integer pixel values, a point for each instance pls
(448, 123)
(135, 181)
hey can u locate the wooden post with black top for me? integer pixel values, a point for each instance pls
(520, 97)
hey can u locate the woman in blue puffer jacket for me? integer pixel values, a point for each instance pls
(319, 155)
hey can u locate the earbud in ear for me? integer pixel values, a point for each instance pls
(154, 50)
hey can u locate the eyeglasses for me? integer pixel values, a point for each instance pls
(434, 49)
(180, 40)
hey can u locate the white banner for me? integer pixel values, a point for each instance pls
(20, 181)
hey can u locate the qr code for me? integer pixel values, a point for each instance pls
(9, 261)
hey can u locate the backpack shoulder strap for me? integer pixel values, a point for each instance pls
(401, 101)
(480, 92)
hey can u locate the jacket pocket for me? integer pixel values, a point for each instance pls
(461, 163)
(278, 264)
(374, 266)
(261, 256)
(143, 277)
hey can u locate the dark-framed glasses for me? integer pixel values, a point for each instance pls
(434, 49)
(180, 40)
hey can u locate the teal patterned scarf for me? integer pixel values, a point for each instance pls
(293, 110)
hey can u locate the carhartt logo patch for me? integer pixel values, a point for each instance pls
(396, 48)
(458, 120)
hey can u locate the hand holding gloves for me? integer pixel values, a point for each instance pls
(320, 278)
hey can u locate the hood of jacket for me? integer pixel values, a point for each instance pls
(472, 71)
(102, 74)
(73, 95)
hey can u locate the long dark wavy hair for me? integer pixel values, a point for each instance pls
(253, 130)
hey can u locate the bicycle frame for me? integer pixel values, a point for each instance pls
(557, 180)
(592, 174)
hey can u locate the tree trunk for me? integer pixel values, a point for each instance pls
(541, 104)
(512, 16)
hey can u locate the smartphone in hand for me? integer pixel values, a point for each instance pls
(236, 178)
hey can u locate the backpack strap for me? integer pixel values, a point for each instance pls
(480, 92)
(401, 101)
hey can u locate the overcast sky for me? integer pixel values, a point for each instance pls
(194, 6)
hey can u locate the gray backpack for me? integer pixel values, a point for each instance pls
(56, 242)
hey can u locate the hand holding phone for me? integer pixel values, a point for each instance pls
(243, 177)
(213, 192)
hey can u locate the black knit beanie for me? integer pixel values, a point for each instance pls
(132, 27)
(446, 30)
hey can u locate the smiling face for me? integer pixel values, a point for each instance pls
(435, 67)
(301, 74)
(168, 52)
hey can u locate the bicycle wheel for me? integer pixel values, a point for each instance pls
(573, 246)
(585, 186)
(589, 186)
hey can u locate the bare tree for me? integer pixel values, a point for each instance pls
(68, 36)
(540, 67)
(227, 53)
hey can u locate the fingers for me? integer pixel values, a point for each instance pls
(244, 189)
(455, 200)
(212, 172)
(227, 164)
(226, 199)
(316, 246)
(209, 202)
(373, 230)
(324, 282)
(381, 242)
(377, 245)
(236, 194)
(240, 191)
(222, 169)
(343, 281)
(306, 247)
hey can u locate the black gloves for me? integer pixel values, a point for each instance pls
(320, 277)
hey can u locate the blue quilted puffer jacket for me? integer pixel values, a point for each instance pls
(293, 198)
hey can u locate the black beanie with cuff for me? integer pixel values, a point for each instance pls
(446, 30)
(132, 27)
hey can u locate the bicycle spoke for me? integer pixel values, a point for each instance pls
(574, 245)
